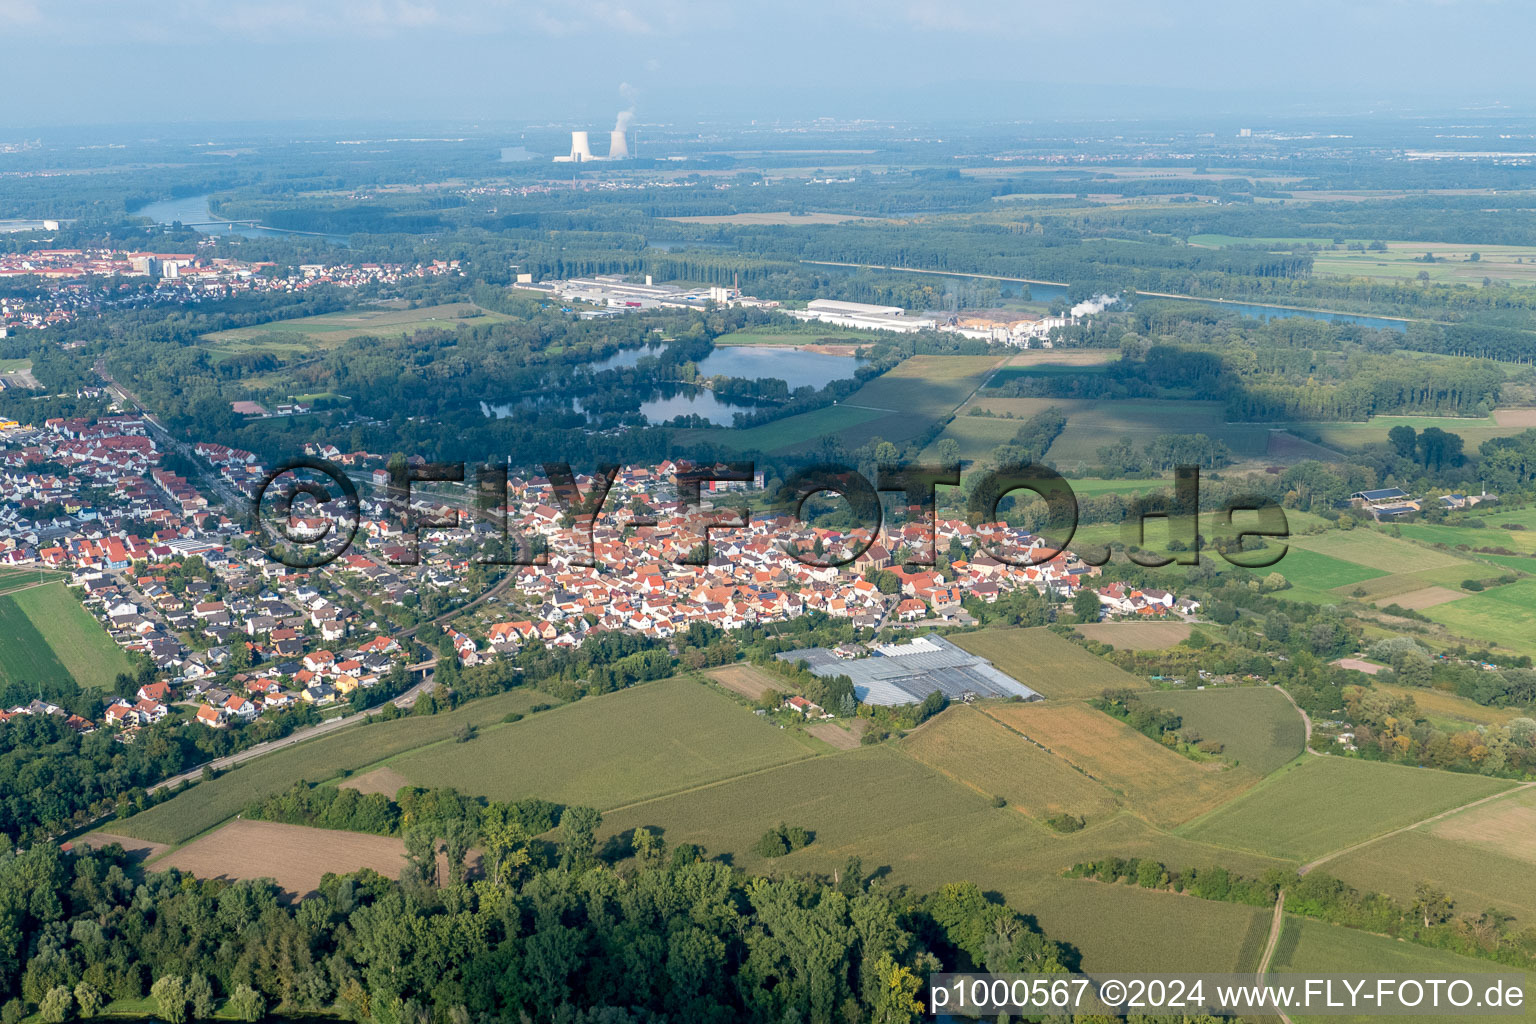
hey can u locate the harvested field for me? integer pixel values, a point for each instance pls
(836, 735)
(137, 849)
(1064, 357)
(749, 681)
(1136, 636)
(384, 781)
(1506, 827)
(1359, 665)
(293, 856)
(1155, 782)
(1443, 705)
(1047, 663)
(1522, 418)
(1417, 600)
(968, 747)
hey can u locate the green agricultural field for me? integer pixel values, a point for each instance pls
(1505, 616)
(809, 334)
(73, 634)
(1093, 487)
(965, 745)
(1046, 663)
(1323, 804)
(24, 654)
(1375, 550)
(895, 406)
(657, 738)
(352, 747)
(1224, 241)
(919, 829)
(1008, 374)
(1403, 261)
(1475, 878)
(12, 580)
(1344, 435)
(1386, 589)
(1092, 424)
(1454, 536)
(305, 335)
(795, 431)
(1309, 569)
(1258, 727)
(1317, 948)
(1145, 419)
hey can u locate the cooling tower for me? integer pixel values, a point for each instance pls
(618, 148)
(580, 149)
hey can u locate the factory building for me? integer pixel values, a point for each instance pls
(615, 293)
(862, 314)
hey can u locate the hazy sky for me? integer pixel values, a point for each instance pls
(90, 61)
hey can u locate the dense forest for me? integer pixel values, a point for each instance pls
(565, 931)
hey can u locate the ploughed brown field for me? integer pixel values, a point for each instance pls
(294, 856)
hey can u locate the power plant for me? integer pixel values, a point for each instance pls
(581, 148)
(618, 148)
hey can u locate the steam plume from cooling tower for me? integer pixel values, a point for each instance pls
(1097, 304)
(621, 123)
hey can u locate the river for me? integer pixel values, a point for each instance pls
(195, 210)
(1047, 291)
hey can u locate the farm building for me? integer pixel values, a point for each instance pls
(906, 673)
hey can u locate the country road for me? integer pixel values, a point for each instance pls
(1276, 926)
(1306, 719)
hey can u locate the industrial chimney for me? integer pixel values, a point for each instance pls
(581, 151)
(618, 147)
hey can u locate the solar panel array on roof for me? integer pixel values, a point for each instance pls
(906, 673)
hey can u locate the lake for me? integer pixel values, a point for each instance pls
(195, 210)
(795, 367)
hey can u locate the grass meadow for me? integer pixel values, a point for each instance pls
(25, 655)
(1257, 726)
(76, 639)
(207, 804)
(305, 335)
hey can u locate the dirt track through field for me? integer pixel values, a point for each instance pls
(1408, 828)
